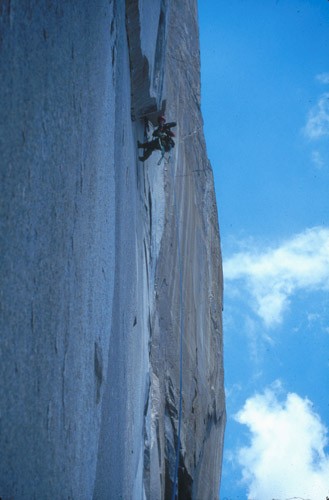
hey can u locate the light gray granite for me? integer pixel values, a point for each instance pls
(103, 258)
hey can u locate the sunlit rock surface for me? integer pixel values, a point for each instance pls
(107, 264)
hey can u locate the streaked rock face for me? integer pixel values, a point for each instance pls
(108, 266)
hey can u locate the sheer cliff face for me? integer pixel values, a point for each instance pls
(188, 279)
(109, 266)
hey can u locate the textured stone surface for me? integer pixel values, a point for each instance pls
(190, 246)
(57, 243)
(103, 259)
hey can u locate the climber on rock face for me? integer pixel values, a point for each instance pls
(163, 139)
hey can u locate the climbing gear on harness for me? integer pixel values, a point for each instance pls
(162, 139)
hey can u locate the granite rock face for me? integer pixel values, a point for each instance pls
(111, 284)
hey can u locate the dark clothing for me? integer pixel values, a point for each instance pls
(149, 147)
(163, 141)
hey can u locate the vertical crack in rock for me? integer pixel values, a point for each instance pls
(142, 102)
(160, 52)
(146, 93)
(150, 221)
(98, 369)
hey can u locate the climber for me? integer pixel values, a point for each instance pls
(163, 139)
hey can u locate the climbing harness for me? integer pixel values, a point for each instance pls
(162, 141)
(164, 157)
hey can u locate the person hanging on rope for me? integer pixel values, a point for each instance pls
(163, 139)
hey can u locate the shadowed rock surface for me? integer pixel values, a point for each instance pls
(107, 264)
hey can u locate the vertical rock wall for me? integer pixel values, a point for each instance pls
(105, 261)
(188, 289)
(57, 242)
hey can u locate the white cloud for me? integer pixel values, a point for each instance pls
(286, 457)
(317, 160)
(271, 276)
(313, 317)
(318, 119)
(323, 78)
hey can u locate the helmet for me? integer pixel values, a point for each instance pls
(161, 118)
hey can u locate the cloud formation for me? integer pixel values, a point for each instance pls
(317, 124)
(286, 457)
(317, 160)
(323, 78)
(271, 276)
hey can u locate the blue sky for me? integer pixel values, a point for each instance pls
(265, 102)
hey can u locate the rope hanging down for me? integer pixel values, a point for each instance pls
(146, 129)
(174, 494)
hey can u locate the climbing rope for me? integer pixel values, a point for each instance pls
(146, 128)
(174, 494)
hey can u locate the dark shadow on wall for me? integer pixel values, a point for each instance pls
(147, 90)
